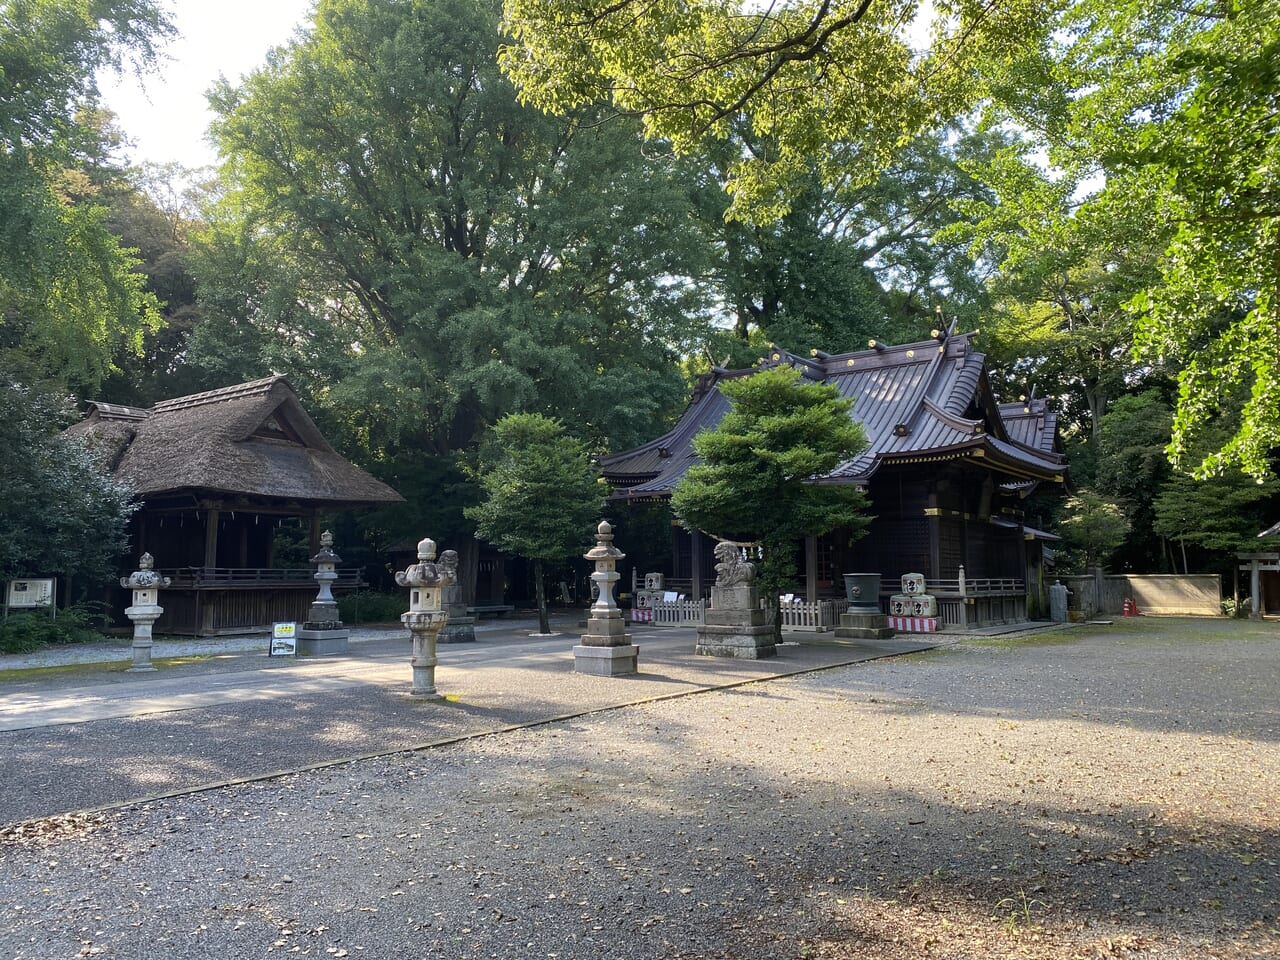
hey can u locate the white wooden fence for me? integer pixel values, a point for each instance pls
(796, 614)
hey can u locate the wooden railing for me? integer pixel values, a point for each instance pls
(969, 602)
(239, 578)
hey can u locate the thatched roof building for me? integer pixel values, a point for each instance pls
(251, 440)
(218, 474)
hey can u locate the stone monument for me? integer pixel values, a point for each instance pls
(1058, 597)
(460, 627)
(606, 649)
(426, 617)
(323, 634)
(864, 619)
(144, 611)
(735, 626)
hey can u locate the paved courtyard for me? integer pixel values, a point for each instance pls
(1099, 792)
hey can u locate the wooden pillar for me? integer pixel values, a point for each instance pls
(695, 552)
(469, 569)
(677, 532)
(315, 532)
(811, 569)
(1255, 587)
(211, 536)
(934, 518)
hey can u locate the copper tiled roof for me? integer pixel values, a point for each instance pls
(917, 402)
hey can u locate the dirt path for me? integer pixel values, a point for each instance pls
(1111, 792)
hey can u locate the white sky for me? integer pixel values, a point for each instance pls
(166, 115)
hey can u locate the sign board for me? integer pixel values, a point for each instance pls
(284, 639)
(30, 593)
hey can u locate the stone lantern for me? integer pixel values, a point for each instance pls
(323, 633)
(426, 617)
(606, 649)
(144, 611)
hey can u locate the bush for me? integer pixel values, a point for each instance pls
(366, 606)
(1237, 611)
(27, 632)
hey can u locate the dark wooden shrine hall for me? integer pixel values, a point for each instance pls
(947, 470)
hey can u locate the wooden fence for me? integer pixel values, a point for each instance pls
(796, 614)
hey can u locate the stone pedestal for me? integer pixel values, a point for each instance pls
(606, 649)
(315, 641)
(424, 626)
(735, 626)
(459, 628)
(863, 626)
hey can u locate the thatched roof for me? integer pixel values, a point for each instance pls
(252, 439)
(919, 403)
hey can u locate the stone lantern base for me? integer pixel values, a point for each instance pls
(606, 661)
(314, 640)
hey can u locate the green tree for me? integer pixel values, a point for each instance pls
(1216, 312)
(60, 511)
(69, 293)
(1093, 525)
(757, 479)
(1065, 268)
(834, 80)
(541, 495)
(848, 262)
(1133, 468)
(1155, 127)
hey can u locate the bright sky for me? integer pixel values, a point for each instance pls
(165, 115)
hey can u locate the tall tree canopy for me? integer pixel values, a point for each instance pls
(416, 245)
(834, 82)
(69, 294)
(1149, 211)
(850, 261)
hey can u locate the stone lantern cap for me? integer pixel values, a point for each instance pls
(326, 554)
(604, 548)
(145, 578)
(426, 572)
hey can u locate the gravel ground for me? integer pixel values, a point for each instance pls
(1112, 792)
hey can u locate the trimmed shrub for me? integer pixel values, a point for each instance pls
(366, 606)
(27, 632)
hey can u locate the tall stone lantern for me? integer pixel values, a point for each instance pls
(426, 617)
(323, 633)
(144, 611)
(606, 649)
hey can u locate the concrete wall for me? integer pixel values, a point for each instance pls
(1197, 594)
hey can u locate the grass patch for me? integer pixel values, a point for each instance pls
(64, 670)
(1053, 639)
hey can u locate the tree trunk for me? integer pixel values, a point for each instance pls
(539, 588)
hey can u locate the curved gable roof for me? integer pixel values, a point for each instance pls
(917, 402)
